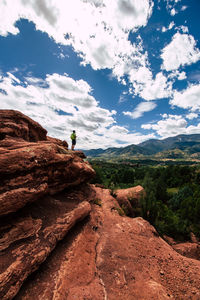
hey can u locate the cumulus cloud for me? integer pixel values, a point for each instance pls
(148, 88)
(179, 52)
(192, 116)
(177, 75)
(172, 125)
(110, 135)
(187, 99)
(184, 29)
(140, 109)
(97, 30)
(158, 88)
(61, 104)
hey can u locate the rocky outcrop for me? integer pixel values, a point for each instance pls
(28, 238)
(129, 199)
(30, 170)
(45, 198)
(15, 124)
(33, 168)
(191, 250)
(113, 257)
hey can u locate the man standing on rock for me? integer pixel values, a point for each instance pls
(73, 138)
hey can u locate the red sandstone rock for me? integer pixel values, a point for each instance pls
(15, 124)
(105, 257)
(28, 238)
(29, 170)
(37, 169)
(191, 250)
(58, 142)
(129, 198)
(112, 257)
(193, 238)
(169, 240)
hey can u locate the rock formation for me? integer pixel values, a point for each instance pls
(113, 257)
(33, 165)
(129, 199)
(45, 197)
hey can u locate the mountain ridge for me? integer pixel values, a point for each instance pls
(188, 144)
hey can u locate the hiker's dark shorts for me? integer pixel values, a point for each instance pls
(73, 142)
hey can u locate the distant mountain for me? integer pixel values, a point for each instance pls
(183, 144)
(123, 151)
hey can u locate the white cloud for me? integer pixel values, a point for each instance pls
(192, 116)
(171, 25)
(172, 125)
(183, 28)
(148, 88)
(187, 99)
(140, 109)
(13, 78)
(173, 12)
(157, 88)
(118, 135)
(181, 51)
(97, 30)
(184, 7)
(177, 75)
(61, 104)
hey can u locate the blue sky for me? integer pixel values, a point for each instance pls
(119, 72)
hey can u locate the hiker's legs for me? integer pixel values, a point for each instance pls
(73, 144)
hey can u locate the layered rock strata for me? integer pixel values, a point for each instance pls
(33, 168)
(28, 238)
(113, 257)
(43, 195)
(32, 165)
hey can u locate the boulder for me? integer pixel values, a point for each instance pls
(129, 199)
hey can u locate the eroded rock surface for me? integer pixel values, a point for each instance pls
(191, 250)
(28, 237)
(113, 257)
(32, 165)
(101, 254)
(129, 199)
(15, 124)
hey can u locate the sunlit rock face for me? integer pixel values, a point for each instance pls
(129, 199)
(45, 197)
(32, 165)
(35, 211)
(108, 256)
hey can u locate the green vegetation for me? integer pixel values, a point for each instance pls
(120, 211)
(172, 201)
(97, 201)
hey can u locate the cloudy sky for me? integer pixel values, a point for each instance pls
(119, 72)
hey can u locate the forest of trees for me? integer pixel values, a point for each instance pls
(172, 201)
